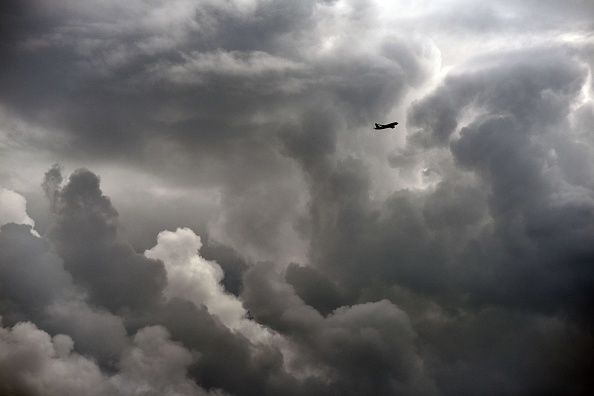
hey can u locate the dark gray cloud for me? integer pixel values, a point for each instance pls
(362, 349)
(40, 284)
(85, 235)
(315, 289)
(27, 265)
(231, 262)
(541, 218)
(450, 256)
(514, 235)
(36, 287)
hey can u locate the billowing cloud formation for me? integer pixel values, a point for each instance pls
(195, 279)
(366, 348)
(85, 235)
(34, 363)
(307, 253)
(38, 286)
(541, 202)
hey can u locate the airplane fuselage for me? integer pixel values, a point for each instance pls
(385, 126)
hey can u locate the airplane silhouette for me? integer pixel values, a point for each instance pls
(385, 126)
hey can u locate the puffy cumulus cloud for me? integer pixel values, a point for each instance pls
(65, 303)
(38, 286)
(191, 277)
(33, 363)
(13, 208)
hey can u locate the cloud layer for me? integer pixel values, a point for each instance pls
(223, 221)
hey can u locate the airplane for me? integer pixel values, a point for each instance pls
(385, 126)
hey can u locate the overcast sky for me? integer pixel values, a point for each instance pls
(193, 200)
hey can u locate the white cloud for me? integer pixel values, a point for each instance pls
(13, 209)
(33, 362)
(191, 277)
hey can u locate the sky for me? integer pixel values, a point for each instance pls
(193, 200)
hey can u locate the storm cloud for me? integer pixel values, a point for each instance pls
(193, 202)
